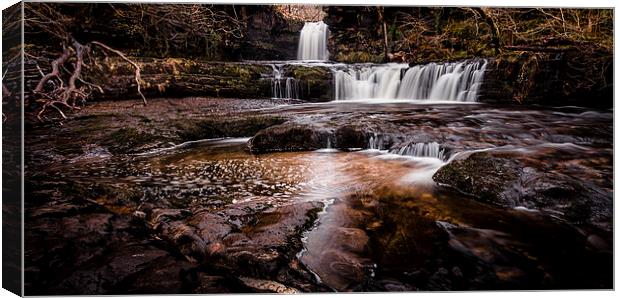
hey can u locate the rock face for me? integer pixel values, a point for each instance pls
(189, 77)
(185, 77)
(269, 36)
(562, 78)
(355, 34)
(315, 82)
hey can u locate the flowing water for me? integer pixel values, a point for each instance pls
(313, 42)
(446, 82)
(449, 82)
(283, 87)
(386, 224)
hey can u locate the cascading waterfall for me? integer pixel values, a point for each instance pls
(449, 81)
(376, 142)
(432, 149)
(313, 42)
(367, 82)
(283, 87)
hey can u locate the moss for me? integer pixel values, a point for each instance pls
(308, 73)
(360, 57)
(239, 127)
(480, 174)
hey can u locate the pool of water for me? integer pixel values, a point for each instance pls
(385, 224)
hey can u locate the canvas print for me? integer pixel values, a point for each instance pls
(234, 148)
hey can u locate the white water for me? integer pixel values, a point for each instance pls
(438, 82)
(376, 142)
(283, 87)
(313, 42)
(432, 149)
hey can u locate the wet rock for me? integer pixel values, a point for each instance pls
(219, 128)
(270, 36)
(395, 286)
(165, 275)
(210, 227)
(170, 225)
(549, 79)
(185, 77)
(289, 137)
(267, 286)
(482, 175)
(131, 140)
(243, 238)
(352, 239)
(598, 242)
(103, 275)
(326, 132)
(139, 215)
(316, 83)
(509, 178)
(341, 270)
(209, 284)
(508, 260)
(350, 137)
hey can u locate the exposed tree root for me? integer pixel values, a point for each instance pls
(71, 91)
(65, 87)
(120, 54)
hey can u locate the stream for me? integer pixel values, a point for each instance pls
(385, 224)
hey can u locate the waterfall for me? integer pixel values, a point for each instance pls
(313, 42)
(449, 81)
(283, 87)
(375, 142)
(432, 149)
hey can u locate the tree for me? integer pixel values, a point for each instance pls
(71, 52)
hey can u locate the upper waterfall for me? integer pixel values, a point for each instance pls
(313, 42)
(450, 81)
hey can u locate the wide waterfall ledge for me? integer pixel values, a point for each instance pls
(449, 82)
(313, 42)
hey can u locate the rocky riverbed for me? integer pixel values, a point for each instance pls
(203, 195)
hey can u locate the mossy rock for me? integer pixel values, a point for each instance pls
(238, 127)
(481, 175)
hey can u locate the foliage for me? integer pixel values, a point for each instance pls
(65, 45)
(553, 26)
(417, 34)
(307, 13)
(181, 28)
